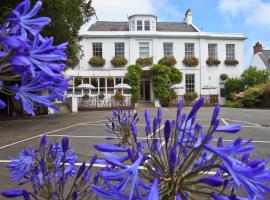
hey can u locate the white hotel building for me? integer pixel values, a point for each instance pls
(145, 36)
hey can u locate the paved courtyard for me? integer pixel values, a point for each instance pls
(88, 128)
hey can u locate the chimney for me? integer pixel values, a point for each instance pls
(257, 48)
(188, 17)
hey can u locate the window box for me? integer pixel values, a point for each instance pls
(231, 62)
(119, 61)
(97, 61)
(167, 60)
(212, 62)
(145, 61)
(191, 61)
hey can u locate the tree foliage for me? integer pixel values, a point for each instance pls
(234, 85)
(134, 78)
(162, 77)
(253, 76)
(67, 18)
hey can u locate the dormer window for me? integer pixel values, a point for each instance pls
(139, 25)
(147, 25)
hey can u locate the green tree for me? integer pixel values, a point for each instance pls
(234, 85)
(67, 18)
(134, 78)
(253, 76)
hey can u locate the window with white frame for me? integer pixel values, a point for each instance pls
(190, 83)
(168, 48)
(230, 51)
(97, 49)
(212, 51)
(144, 50)
(139, 25)
(147, 25)
(189, 50)
(120, 49)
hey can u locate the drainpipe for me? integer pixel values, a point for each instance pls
(200, 67)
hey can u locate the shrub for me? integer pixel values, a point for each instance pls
(234, 104)
(234, 85)
(167, 60)
(145, 61)
(119, 61)
(191, 61)
(231, 62)
(97, 61)
(162, 77)
(190, 97)
(253, 76)
(133, 76)
(252, 96)
(212, 62)
(266, 95)
(224, 77)
(239, 96)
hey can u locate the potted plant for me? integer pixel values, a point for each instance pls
(97, 61)
(224, 77)
(167, 60)
(119, 96)
(191, 61)
(212, 62)
(119, 61)
(145, 61)
(231, 62)
(190, 97)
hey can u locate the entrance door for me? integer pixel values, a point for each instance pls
(145, 91)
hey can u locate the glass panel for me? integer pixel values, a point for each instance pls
(86, 81)
(110, 82)
(118, 81)
(139, 26)
(120, 49)
(189, 49)
(230, 51)
(94, 82)
(144, 49)
(168, 49)
(212, 51)
(190, 83)
(147, 25)
(101, 82)
(97, 49)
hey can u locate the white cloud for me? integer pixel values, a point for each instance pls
(120, 9)
(256, 12)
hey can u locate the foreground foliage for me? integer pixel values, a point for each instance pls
(178, 159)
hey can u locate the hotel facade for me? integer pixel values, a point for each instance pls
(143, 36)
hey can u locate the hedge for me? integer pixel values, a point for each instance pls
(134, 78)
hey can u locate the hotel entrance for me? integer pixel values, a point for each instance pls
(145, 93)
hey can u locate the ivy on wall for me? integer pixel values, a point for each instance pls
(162, 77)
(134, 78)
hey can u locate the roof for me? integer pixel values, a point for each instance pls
(265, 56)
(142, 15)
(124, 26)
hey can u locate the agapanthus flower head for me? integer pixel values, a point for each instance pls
(186, 162)
(31, 66)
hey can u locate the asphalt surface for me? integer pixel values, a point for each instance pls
(88, 128)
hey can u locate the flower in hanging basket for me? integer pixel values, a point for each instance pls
(212, 62)
(231, 62)
(97, 61)
(191, 61)
(119, 61)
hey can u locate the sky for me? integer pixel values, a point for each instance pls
(250, 17)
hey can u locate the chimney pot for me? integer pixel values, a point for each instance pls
(257, 48)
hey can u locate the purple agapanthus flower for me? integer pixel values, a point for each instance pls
(22, 19)
(2, 104)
